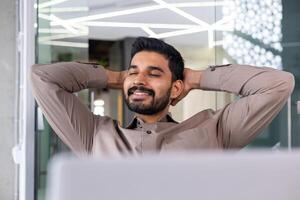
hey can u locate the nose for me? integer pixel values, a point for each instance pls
(140, 79)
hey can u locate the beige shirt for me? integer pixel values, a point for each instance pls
(263, 91)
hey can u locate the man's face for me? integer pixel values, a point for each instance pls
(148, 84)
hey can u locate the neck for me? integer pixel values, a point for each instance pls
(153, 118)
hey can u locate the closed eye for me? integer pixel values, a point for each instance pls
(155, 75)
(132, 73)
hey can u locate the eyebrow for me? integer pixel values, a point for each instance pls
(149, 68)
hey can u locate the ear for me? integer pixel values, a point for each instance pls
(177, 88)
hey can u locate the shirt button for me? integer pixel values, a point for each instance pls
(148, 132)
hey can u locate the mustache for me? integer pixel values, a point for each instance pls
(140, 88)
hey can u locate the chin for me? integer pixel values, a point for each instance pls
(140, 103)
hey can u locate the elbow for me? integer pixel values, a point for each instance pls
(34, 75)
(289, 83)
(33, 69)
(281, 85)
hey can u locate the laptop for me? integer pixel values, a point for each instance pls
(180, 176)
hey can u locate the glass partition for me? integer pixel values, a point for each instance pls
(256, 38)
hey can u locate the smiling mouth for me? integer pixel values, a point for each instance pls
(139, 95)
(140, 91)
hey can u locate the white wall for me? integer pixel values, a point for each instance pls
(7, 91)
(199, 58)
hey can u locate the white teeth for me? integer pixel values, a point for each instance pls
(140, 93)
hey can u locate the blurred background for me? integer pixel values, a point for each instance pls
(206, 32)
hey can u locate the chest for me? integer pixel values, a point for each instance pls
(146, 139)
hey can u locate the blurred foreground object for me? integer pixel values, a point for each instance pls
(205, 175)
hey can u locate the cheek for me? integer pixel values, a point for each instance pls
(125, 86)
(161, 89)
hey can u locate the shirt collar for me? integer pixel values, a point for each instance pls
(133, 123)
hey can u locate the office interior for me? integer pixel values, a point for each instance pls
(206, 32)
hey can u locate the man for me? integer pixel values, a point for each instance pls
(156, 79)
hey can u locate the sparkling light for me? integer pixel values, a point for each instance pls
(244, 52)
(260, 20)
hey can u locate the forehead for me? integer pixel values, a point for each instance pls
(149, 58)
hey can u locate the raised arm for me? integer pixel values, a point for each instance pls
(263, 91)
(53, 86)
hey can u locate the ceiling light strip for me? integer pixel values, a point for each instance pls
(201, 4)
(224, 20)
(80, 28)
(50, 3)
(138, 25)
(180, 32)
(66, 25)
(182, 13)
(64, 9)
(60, 21)
(53, 30)
(142, 10)
(43, 16)
(149, 31)
(114, 14)
(158, 26)
(224, 28)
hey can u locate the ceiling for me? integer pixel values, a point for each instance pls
(191, 22)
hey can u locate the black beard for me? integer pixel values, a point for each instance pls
(155, 106)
